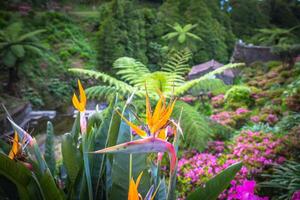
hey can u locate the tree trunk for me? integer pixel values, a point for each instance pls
(13, 79)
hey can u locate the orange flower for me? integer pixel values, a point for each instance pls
(133, 193)
(156, 121)
(79, 105)
(16, 147)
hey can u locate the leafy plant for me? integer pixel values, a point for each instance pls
(15, 47)
(103, 176)
(238, 96)
(288, 122)
(181, 37)
(275, 36)
(285, 179)
(134, 75)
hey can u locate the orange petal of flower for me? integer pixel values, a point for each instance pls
(139, 131)
(79, 105)
(149, 119)
(162, 134)
(15, 147)
(139, 179)
(164, 118)
(82, 94)
(133, 193)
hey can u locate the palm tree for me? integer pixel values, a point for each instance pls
(181, 37)
(15, 46)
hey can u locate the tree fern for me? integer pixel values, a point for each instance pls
(135, 76)
(178, 63)
(130, 70)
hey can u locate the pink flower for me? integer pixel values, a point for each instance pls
(296, 195)
(218, 97)
(255, 119)
(272, 119)
(240, 111)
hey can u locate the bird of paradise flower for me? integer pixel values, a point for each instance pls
(154, 134)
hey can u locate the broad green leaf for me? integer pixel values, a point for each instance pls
(76, 128)
(216, 185)
(181, 38)
(30, 35)
(21, 176)
(49, 148)
(120, 169)
(71, 157)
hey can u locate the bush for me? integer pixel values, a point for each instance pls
(288, 122)
(238, 96)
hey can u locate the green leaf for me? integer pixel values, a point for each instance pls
(87, 170)
(18, 50)
(49, 148)
(181, 38)
(71, 157)
(120, 169)
(215, 186)
(49, 188)
(30, 35)
(76, 129)
(21, 176)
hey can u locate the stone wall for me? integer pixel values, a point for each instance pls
(250, 53)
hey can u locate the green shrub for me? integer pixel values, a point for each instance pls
(288, 122)
(238, 96)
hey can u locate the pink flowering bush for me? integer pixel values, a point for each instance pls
(257, 151)
(233, 119)
(218, 101)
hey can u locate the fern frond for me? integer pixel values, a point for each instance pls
(213, 85)
(101, 92)
(111, 81)
(196, 127)
(131, 70)
(189, 84)
(178, 63)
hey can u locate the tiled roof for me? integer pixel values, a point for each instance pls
(201, 68)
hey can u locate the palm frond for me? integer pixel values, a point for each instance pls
(189, 84)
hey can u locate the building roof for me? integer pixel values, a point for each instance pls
(202, 68)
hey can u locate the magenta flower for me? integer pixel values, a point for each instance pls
(241, 111)
(255, 119)
(296, 195)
